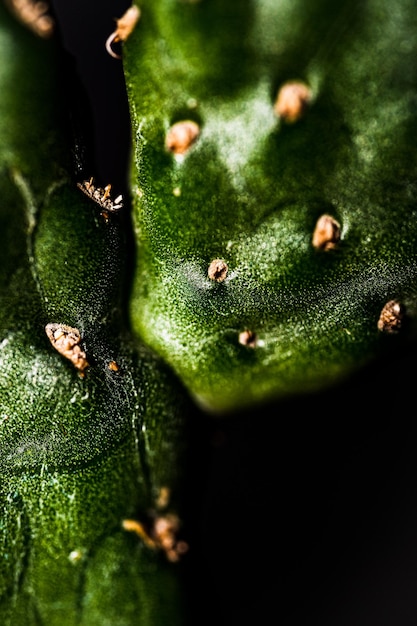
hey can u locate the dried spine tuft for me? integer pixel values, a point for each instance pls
(217, 270)
(66, 340)
(101, 196)
(34, 15)
(327, 233)
(248, 338)
(181, 136)
(161, 535)
(292, 101)
(391, 317)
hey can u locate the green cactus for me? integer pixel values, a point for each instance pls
(253, 185)
(274, 254)
(91, 432)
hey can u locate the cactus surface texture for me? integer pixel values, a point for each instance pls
(90, 420)
(299, 300)
(252, 239)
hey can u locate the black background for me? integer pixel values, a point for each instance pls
(299, 512)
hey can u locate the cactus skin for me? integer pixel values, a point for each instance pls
(73, 466)
(252, 187)
(79, 451)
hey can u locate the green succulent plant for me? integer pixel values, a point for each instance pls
(251, 188)
(81, 449)
(272, 181)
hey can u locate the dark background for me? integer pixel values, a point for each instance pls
(299, 512)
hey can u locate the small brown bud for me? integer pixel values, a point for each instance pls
(326, 234)
(34, 15)
(181, 136)
(248, 338)
(66, 341)
(292, 101)
(218, 270)
(391, 318)
(127, 22)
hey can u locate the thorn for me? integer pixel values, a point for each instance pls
(101, 196)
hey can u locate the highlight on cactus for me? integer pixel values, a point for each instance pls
(254, 240)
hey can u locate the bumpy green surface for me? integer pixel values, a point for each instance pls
(77, 454)
(251, 188)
